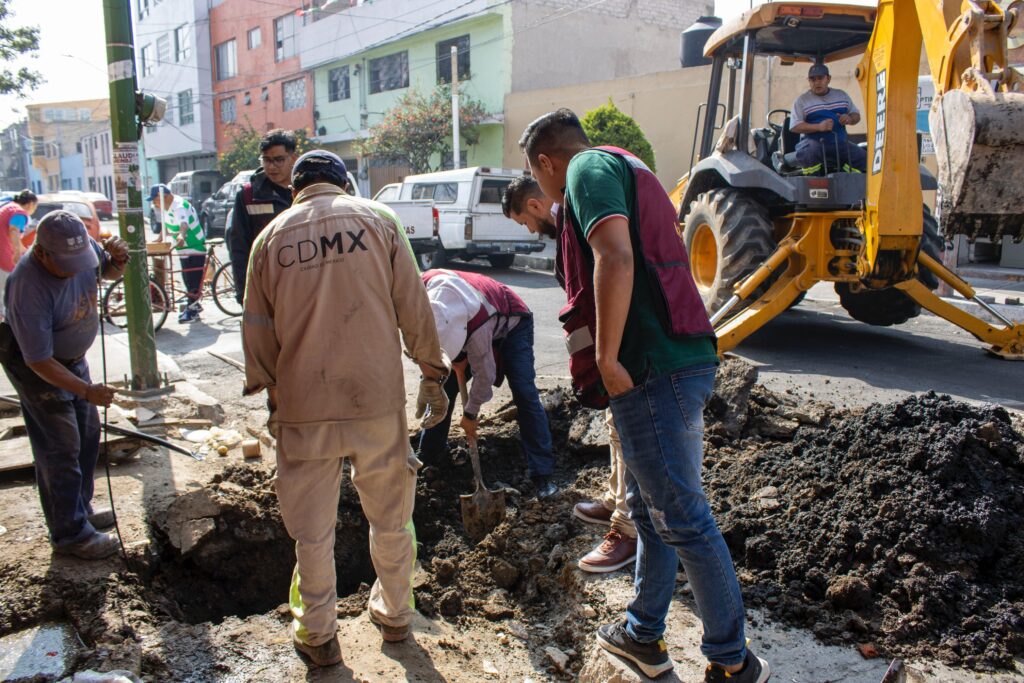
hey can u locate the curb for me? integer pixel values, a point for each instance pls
(545, 263)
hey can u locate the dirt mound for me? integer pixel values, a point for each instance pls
(899, 525)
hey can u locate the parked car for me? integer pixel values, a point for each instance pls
(104, 207)
(215, 209)
(470, 221)
(195, 186)
(74, 203)
(419, 218)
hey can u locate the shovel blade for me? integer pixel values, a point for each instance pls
(482, 511)
(979, 150)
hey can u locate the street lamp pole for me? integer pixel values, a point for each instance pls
(128, 193)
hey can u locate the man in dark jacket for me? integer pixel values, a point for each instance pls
(267, 194)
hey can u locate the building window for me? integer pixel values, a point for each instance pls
(337, 84)
(185, 114)
(444, 59)
(255, 38)
(146, 57)
(183, 43)
(163, 50)
(390, 72)
(228, 113)
(227, 60)
(143, 8)
(284, 36)
(294, 94)
(92, 184)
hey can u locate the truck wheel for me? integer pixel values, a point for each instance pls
(432, 259)
(890, 306)
(727, 236)
(501, 260)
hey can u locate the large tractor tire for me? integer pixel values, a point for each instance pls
(890, 306)
(727, 235)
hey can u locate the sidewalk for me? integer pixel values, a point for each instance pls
(1006, 295)
(118, 362)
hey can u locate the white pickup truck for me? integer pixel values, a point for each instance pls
(470, 222)
(419, 218)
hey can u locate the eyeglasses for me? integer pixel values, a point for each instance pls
(273, 161)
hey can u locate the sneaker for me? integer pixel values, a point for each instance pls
(102, 518)
(593, 511)
(651, 658)
(615, 552)
(755, 670)
(325, 654)
(545, 487)
(187, 316)
(390, 634)
(95, 547)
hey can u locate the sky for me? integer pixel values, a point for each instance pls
(72, 54)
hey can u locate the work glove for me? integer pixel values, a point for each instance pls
(431, 403)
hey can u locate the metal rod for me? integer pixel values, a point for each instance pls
(729, 305)
(993, 312)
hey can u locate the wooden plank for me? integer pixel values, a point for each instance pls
(15, 454)
(11, 427)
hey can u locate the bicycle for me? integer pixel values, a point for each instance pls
(218, 282)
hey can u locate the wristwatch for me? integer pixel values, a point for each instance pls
(472, 417)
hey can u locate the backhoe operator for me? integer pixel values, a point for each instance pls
(821, 116)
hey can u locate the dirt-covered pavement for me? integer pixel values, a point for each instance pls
(896, 528)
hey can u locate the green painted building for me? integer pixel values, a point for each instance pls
(352, 93)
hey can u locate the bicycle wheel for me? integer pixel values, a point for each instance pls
(115, 311)
(224, 290)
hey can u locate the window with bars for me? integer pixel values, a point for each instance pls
(228, 110)
(444, 59)
(227, 60)
(146, 57)
(185, 113)
(163, 49)
(390, 72)
(285, 28)
(294, 94)
(182, 43)
(338, 84)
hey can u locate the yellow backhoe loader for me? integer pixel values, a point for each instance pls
(761, 232)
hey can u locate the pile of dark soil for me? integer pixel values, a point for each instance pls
(900, 525)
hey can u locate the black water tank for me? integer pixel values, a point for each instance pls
(692, 40)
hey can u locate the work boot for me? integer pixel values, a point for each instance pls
(651, 658)
(593, 511)
(325, 654)
(390, 634)
(755, 670)
(615, 552)
(102, 518)
(94, 547)
(545, 487)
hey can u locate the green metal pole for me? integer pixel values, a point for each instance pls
(128, 192)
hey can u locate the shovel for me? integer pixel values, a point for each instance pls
(483, 509)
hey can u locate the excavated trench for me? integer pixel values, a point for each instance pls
(899, 525)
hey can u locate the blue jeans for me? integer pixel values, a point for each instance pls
(515, 352)
(64, 432)
(661, 425)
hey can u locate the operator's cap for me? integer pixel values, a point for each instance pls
(63, 235)
(319, 162)
(818, 69)
(154, 191)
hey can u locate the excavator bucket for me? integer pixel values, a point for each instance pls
(979, 149)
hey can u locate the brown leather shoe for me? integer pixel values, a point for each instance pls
(615, 552)
(593, 511)
(325, 654)
(391, 634)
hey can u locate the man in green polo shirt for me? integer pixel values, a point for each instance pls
(182, 223)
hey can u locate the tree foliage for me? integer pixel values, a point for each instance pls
(419, 127)
(244, 153)
(607, 125)
(15, 42)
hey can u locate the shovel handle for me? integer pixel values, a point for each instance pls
(474, 457)
(463, 391)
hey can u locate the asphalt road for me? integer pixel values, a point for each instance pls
(815, 349)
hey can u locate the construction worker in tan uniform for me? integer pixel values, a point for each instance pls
(331, 284)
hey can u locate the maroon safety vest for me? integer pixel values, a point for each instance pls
(678, 304)
(502, 300)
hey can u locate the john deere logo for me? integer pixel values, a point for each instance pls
(876, 163)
